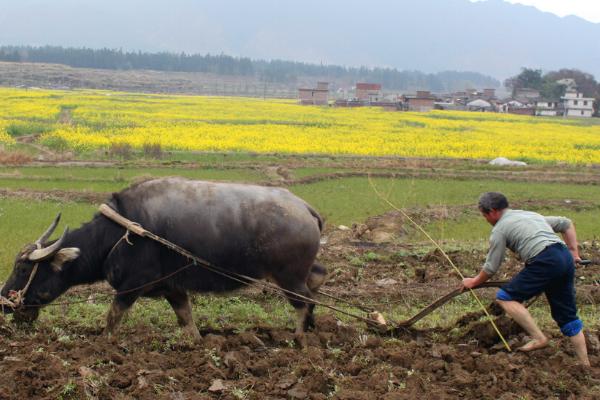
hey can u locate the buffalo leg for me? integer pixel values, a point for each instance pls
(300, 305)
(183, 309)
(316, 278)
(293, 279)
(119, 307)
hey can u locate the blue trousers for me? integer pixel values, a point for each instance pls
(551, 272)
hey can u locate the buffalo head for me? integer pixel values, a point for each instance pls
(46, 283)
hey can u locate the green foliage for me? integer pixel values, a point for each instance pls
(25, 128)
(527, 78)
(371, 256)
(552, 90)
(356, 261)
(56, 143)
(69, 391)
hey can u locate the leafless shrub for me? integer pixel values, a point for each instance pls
(14, 157)
(120, 150)
(153, 150)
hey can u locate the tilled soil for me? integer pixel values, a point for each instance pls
(340, 360)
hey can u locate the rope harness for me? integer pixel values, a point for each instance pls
(16, 298)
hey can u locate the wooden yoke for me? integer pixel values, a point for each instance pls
(121, 220)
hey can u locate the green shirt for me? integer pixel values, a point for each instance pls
(525, 233)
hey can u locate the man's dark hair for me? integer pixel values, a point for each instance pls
(492, 201)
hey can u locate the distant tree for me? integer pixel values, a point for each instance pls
(528, 78)
(586, 83)
(268, 71)
(552, 90)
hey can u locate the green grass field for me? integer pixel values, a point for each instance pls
(348, 200)
(341, 201)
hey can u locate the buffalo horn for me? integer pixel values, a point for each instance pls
(47, 252)
(48, 232)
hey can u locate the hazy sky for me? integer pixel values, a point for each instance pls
(586, 9)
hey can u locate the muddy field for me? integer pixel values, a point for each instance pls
(343, 360)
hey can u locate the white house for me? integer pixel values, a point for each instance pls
(479, 105)
(505, 105)
(576, 105)
(547, 108)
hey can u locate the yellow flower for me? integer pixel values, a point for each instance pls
(88, 119)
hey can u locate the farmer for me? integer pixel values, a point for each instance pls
(549, 268)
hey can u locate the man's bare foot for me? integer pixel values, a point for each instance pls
(534, 344)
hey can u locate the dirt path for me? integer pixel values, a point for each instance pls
(31, 141)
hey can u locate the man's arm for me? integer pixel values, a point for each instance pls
(492, 263)
(570, 238)
(567, 230)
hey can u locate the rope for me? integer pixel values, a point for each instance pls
(19, 295)
(446, 256)
(16, 298)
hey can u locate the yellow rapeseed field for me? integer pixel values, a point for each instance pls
(5, 138)
(86, 120)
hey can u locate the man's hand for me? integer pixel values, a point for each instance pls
(469, 283)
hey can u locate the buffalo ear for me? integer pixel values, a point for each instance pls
(62, 256)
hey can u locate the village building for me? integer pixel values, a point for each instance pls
(423, 101)
(512, 106)
(368, 92)
(449, 105)
(480, 105)
(548, 108)
(527, 93)
(510, 103)
(575, 105)
(315, 96)
(489, 94)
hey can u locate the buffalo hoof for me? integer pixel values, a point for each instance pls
(110, 337)
(26, 317)
(192, 335)
(309, 323)
(301, 341)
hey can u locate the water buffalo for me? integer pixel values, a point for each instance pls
(262, 232)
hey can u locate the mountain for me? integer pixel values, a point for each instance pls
(491, 37)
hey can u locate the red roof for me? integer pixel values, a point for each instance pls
(312, 90)
(368, 86)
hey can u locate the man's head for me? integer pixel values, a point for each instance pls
(492, 205)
